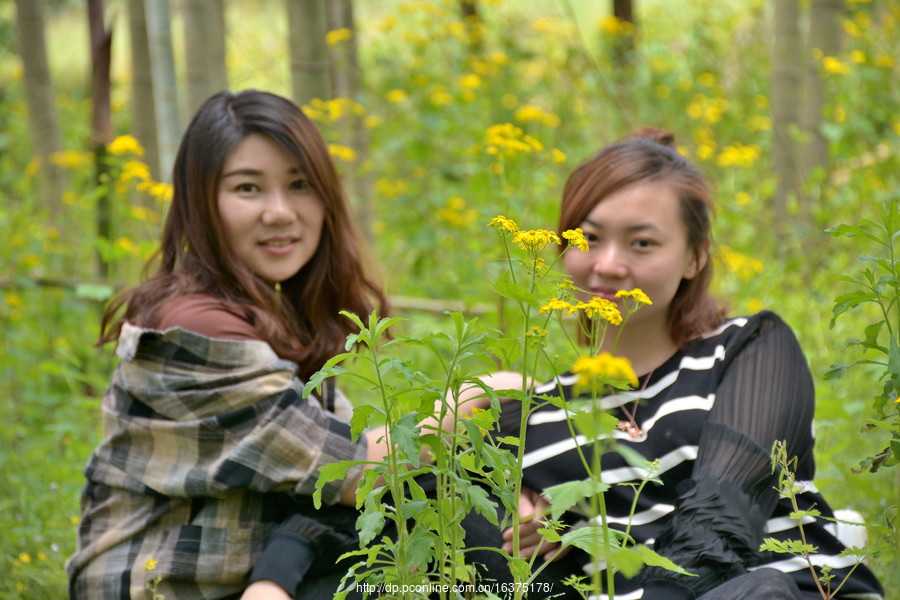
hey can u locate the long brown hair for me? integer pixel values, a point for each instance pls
(302, 324)
(650, 155)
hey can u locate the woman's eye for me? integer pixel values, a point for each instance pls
(590, 237)
(300, 184)
(642, 243)
(246, 188)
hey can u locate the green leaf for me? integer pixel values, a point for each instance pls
(652, 559)
(519, 292)
(330, 472)
(369, 524)
(360, 419)
(566, 495)
(418, 549)
(405, 434)
(507, 349)
(590, 539)
(477, 498)
(93, 291)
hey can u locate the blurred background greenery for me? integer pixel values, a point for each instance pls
(441, 114)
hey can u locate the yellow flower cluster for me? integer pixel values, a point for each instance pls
(508, 139)
(636, 294)
(614, 26)
(344, 153)
(835, 66)
(72, 159)
(502, 224)
(594, 372)
(150, 564)
(746, 267)
(535, 240)
(596, 307)
(738, 155)
(396, 96)
(529, 113)
(330, 111)
(576, 238)
(336, 36)
(456, 213)
(125, 144)
(706, 109)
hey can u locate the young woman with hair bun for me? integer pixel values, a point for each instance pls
(713, 396)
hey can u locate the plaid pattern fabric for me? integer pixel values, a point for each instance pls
(208, 443)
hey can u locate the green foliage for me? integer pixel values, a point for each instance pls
(430, 97)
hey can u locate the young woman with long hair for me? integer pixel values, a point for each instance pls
(210, 450)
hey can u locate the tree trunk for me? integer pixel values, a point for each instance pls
(824, 38)
(786, 70)
(165, 92)
(204, 43)
(345, 81)
(308, 24)
(143, 113)
(101, 125)
(41, 100)
(625, 44)
(470, 16)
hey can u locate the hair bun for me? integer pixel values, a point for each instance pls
(663, 138)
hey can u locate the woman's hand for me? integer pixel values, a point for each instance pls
(532, 509)
(265, 589)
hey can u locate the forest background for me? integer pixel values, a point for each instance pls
(441, 115)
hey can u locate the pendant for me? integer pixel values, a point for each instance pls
(631, 429)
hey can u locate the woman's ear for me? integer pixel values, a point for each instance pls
(697, 262)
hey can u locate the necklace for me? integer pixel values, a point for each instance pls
(630, 426)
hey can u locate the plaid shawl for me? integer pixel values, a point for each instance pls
(209, 447)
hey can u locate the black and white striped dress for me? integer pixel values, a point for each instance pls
(710, 414)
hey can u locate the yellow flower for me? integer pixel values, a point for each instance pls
(72, 159)
(42, 556)
(557, 156)
(502, 224)
(134, 169)
(125, 144)
(469, 81)
(440, 96)
(858, 56)
(602, 308)
(336, 36)
(742, 198)
(594, 372)
(345, 153)
(614, 26)
(509, 139)
(738, 154)
(531, 113)
(576, 238)
(557, 304)
(760, 123)
(535, 239)
(33, 166)
(637, 294)
(706, 79)
(396, 96)
(833, 65)
(883, 60)
(25, 558)
(150, 564)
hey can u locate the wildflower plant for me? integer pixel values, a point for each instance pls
(474, 471)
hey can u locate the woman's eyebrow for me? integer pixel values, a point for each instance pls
(629, 229)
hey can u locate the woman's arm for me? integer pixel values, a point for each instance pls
(766, 394)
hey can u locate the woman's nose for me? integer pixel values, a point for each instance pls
(277, 209)
(609, 262)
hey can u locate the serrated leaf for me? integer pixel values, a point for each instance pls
(653, 559)
(590, 539)
(566, 495)
(330, 472)
(405, 434)
(477, 497)
(369, 524)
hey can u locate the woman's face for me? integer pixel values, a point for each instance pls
(271, 216)
(637, 239)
